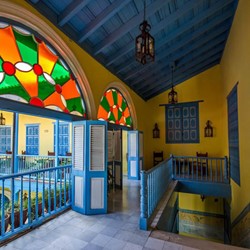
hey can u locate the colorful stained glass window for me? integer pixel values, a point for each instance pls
(31, 71)
(114, 108)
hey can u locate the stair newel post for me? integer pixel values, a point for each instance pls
(226, 170)
(144, 201)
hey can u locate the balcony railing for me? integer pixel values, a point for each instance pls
(29, 198)
(30, 163)
(211, 169)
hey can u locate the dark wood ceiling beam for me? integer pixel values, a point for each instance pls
(71, 10)
(200, 17)
(178, 50)
(187, 68)
(186, 76)
(132, 23)
(207, 27)
(161, 25)
(199, 51)
(110, 11)
(166, 75)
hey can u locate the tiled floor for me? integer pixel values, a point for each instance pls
(119, 229)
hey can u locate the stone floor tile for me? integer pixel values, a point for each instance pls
(115, 244)
(154, 243)
(131, 246)
(110, 231)
(91, 246)
(101, 240)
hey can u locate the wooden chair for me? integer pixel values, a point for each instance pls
(157, 157)
(68, 154)
(202, 163)
(51, 153)
(8, 152)
(23, 152)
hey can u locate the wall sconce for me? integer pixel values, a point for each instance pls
(2, 119)
(156, 131)
(208, 131)
(202, 197)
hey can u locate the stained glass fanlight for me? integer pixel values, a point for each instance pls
(114, 108)
(31, 71)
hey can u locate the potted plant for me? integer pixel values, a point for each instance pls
(17, 209)
(39, 206)
(6, 221)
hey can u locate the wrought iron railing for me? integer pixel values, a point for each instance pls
(27, 199)
(5, 164)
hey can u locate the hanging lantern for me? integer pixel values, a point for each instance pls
(144, 43)
(172, 95)
(208, 131)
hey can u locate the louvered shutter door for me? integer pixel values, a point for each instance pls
(97, 150)
(78, 147)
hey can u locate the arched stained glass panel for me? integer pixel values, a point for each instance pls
(31, 71)
(114, 108)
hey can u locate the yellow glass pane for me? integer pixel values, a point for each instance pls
(8, 49)
(46, 58)
(69, 90)
(29, 81)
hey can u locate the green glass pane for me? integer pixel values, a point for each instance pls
(112, 117)
(114, 93)
(27, 47)
(119, 115)
(10, 85)
(129, 121)
(124, 105)
(60, 74)
(45, 89)
(104, 103)
(75, 104)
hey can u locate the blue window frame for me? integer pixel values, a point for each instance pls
(182, 123)
(32, 139)
(233, 135)
(63, 138)
(5, 139)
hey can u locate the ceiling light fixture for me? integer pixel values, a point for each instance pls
(145, 43)
(172, 95)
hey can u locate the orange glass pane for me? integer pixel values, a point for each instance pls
(29, 82)
(69, 90)
(115, 113)
(7, 40)
(126, 112)
(122, 121)
(102, 113)
(109, 97)
(54, 100)
(119, 99)
(46, 58)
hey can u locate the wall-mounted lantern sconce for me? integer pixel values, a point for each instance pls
(202, 197)
(2, 119)
(156, 131)
(208, 131)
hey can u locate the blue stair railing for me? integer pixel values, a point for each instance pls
(154, 183)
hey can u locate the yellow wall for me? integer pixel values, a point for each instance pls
(194, 202)
(235, 67)
(206, 86)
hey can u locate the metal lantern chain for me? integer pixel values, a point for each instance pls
(144, 43)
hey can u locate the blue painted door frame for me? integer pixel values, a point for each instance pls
(89, 170)
(135, 154)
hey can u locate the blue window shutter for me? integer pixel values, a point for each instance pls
(63, 138)
(233, 135)
(32, 139)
